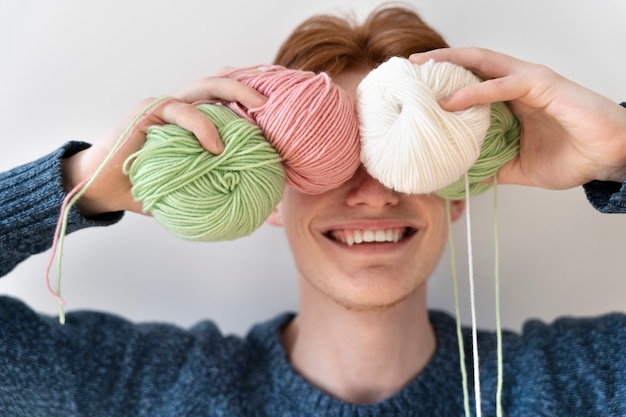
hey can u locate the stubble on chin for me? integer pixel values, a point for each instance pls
(372, 299)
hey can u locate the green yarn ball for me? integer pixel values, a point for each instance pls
(500, 146)
(199, 196)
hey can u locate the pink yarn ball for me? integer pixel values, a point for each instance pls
(311, 122)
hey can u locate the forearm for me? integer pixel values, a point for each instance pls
(30, 201)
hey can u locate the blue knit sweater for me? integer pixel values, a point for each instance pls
(102, 365)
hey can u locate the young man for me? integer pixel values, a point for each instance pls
(363, 342)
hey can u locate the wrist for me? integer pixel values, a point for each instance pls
(73, 175)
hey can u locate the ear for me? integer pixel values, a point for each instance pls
(276, 217)
(456, 209)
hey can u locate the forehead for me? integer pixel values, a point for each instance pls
(349, 80)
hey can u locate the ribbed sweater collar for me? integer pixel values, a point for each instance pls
(422, 396)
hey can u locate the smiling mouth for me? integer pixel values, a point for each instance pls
(358, 237)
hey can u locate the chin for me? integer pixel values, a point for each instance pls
(374, 290)
(374, 301)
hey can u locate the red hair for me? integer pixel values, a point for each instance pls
(331, 44)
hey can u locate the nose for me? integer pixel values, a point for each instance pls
(363, 189)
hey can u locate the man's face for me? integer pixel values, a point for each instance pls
(361, 244)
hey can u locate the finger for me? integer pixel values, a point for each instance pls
(225, 89)
(233, 72)
(224, 71)
(190, 118)
(512, 173)
(490, 91)
(505, 175)
(483, 62)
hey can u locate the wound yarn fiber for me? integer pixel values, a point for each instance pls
(310, 121)
(308, 129)
(199, 196)
(410, 144)
(501, 144)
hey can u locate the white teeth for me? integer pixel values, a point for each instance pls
(368, 236)
(351, 237)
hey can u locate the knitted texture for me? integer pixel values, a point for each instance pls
(31, 193)
(573, 367)
(100, 365)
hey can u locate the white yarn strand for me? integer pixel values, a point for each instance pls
(411, 145)
(470, 262)
(408, 142)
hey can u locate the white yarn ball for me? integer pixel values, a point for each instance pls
(408, 142)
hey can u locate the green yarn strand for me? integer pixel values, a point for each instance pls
(199, 196)
(500, 146)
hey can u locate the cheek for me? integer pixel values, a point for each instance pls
(295, 215)
(437, 233)
(440, 229)
(298, 209)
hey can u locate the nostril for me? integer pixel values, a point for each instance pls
(365, 189)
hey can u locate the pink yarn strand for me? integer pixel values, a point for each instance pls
(78, 191)
(310, 121)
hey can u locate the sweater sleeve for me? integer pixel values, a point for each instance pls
(102, 365)
(607, 197)
(578, 367)
(30, 200)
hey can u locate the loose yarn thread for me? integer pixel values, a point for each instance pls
(499, 341)
(74, 195)
(311, 122)
(199, 196)
(457, 311)
(470, 259)
(413, 146)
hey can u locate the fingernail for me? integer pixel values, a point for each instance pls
(444, 101)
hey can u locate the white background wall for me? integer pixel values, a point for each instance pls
(69, 69)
